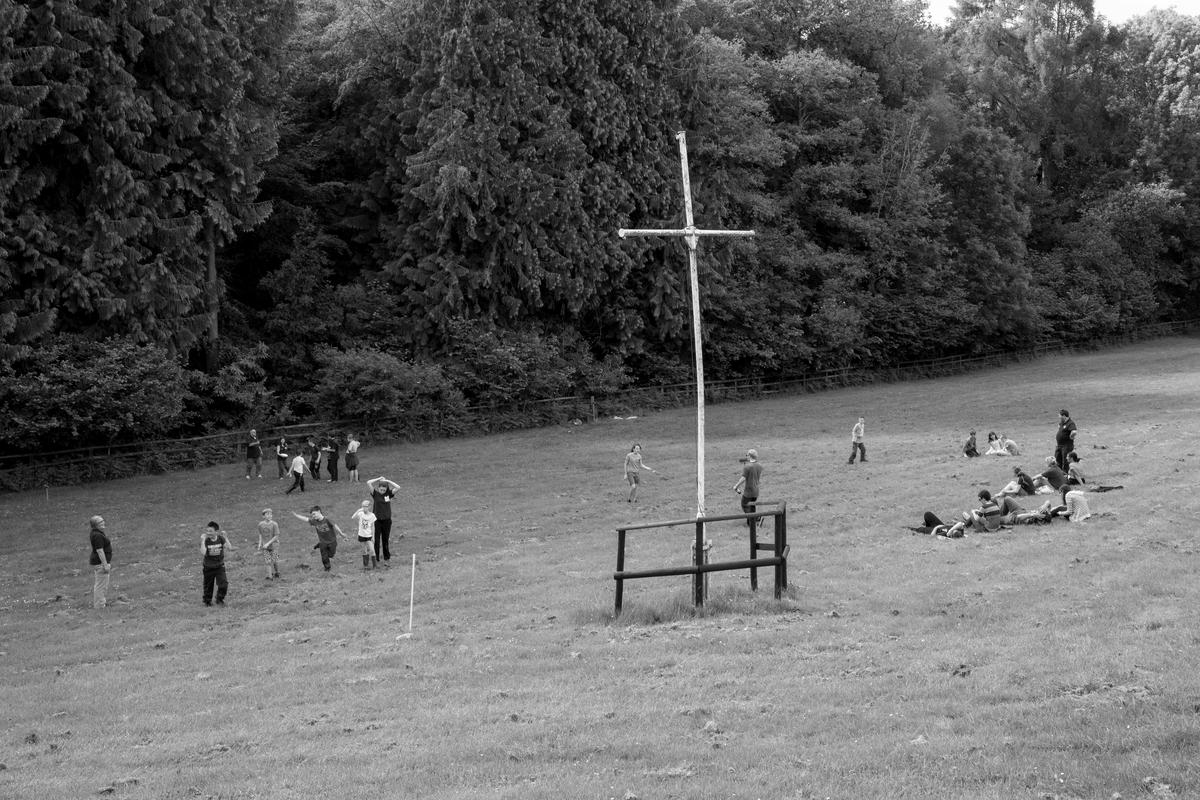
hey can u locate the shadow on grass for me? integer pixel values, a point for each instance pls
(679, 608)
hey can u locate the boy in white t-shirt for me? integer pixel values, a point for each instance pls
(366, 534)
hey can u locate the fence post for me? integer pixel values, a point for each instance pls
(703, 560)
(620, 568)
(753, 550)
(698, 577)
(780, 549)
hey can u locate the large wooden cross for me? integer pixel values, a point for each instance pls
(691, 234)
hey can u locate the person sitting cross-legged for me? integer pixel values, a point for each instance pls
(969, 450)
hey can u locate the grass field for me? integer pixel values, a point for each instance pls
(1044, 662)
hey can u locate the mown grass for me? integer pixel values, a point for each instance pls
(1048, 661)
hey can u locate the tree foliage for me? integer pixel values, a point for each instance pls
(446, 179)
(132, 134)
(80, 391)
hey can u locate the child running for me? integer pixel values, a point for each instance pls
(268, 539)
(366, 534)
(327, 533)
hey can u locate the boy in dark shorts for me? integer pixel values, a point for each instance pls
(327, 533)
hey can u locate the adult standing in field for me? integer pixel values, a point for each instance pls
(213, 545)
(1064, 439)
(857, 446)
(281, 457)
(101, 561)
(253, 455)
(747, 485)
(352, 458)
(327, 533)
(382, 492)
(330, 451)
(314, 458)
(633, 470)
(299, 467)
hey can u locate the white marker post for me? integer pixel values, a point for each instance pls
(691, 235)
(412, 586)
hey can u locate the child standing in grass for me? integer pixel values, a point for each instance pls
(366, 534)
(268, 539)
(327, 533)
(352, 457)
(213, 544)
(633, 470)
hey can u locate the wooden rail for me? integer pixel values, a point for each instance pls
(698, 569)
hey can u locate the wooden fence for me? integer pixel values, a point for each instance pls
(24, 471)
(700, 566)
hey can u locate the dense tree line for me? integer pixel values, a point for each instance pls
(351, 207)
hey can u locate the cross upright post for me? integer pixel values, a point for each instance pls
(691, 235)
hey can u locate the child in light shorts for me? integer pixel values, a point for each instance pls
(366, 534)
(268, 540)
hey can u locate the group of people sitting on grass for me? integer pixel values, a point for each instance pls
(1003, 510)
(997, 445)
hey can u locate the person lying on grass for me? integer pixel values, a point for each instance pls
(1013, 513)
(935, 527)
(1076, 478)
